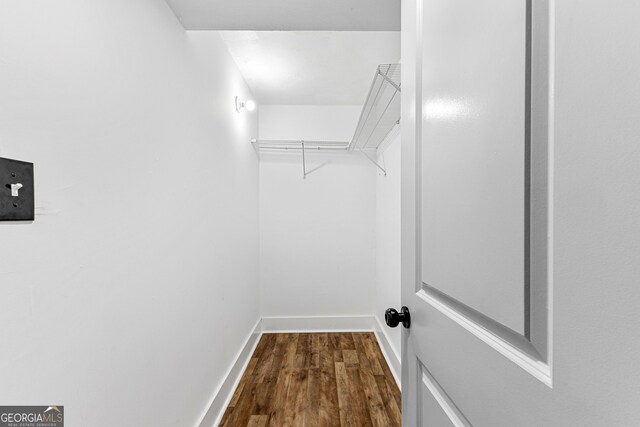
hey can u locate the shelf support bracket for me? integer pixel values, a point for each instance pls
(374, 162)
(304, 163)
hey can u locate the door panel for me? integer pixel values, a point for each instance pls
(476, 203)
(474, 155)
(565, 164)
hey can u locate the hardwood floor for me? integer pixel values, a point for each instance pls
(318, 379)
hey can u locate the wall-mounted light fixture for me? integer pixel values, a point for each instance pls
(249, 104)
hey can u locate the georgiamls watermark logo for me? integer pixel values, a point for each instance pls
(32, 416)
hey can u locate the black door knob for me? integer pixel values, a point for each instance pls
(393, 318)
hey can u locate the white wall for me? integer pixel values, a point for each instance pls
(317, 235)
(129, 296)
(388, 241)
(309, 122)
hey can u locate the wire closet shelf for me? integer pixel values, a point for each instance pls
(381, 111)
(379, 117)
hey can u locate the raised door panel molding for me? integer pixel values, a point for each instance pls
(437, 408)
(486, 186)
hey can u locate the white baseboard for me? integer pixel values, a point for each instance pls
(222, 397)
(318, 324)
(388, 351)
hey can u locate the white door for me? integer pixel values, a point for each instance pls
(480, 169)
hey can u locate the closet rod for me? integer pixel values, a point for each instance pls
(261, 142)
(306, 148)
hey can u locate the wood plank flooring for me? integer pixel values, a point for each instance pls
(318, 379)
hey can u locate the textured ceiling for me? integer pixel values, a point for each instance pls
(311, 67)
(293, 15)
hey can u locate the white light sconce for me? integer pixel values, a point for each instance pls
(249, 105)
